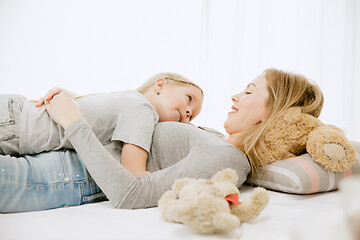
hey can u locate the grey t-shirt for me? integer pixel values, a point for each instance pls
(178, 150)
(125, 116)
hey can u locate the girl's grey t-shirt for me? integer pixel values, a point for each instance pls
(178, 150)
(126, 116)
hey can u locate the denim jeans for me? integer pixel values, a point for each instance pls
(45, 181)
(10, 110)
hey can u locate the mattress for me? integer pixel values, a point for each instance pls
(287, 216)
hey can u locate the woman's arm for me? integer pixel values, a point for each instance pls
(121, 187)
(124, 190)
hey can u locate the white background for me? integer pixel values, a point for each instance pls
(92, 46)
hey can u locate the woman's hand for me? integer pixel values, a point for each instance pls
(50, 95)
(63, 109)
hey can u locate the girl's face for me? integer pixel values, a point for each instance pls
(180, 103)
(249, 106)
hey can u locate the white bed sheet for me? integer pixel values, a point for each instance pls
(287, 216)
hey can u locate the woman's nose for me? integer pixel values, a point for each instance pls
(235, 97)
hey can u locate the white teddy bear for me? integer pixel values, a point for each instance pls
(211, 206)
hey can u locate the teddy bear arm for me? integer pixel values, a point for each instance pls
(251, 208)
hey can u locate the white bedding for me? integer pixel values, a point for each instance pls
(288, 216)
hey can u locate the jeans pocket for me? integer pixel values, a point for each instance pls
(91, 192)
(97, 197)
(6, 110)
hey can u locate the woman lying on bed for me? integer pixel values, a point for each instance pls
(59, 178)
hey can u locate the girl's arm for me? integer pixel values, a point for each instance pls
(65, 111)
(134, 159)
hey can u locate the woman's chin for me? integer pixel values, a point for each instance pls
(228, 129)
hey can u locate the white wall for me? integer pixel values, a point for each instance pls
(101, 45)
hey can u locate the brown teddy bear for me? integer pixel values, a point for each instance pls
(294, 132)
(211, 206)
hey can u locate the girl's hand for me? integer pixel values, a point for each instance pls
(50, 95)
(63, 109)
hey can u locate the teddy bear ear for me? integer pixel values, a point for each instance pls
(226, 175)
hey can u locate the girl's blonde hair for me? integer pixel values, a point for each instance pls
(171, 78)
(285, 90)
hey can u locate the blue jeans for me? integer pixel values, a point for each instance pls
(10, 111)
(45, 181)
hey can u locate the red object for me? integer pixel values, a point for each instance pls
(233, 199)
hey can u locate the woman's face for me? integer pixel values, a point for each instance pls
(249, 106)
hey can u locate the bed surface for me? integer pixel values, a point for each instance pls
(318, 216)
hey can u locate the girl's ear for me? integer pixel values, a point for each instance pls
(159, 85)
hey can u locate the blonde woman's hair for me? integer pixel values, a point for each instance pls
(171, 78)
(285, 90)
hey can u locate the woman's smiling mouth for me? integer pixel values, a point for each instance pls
(234, 109)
